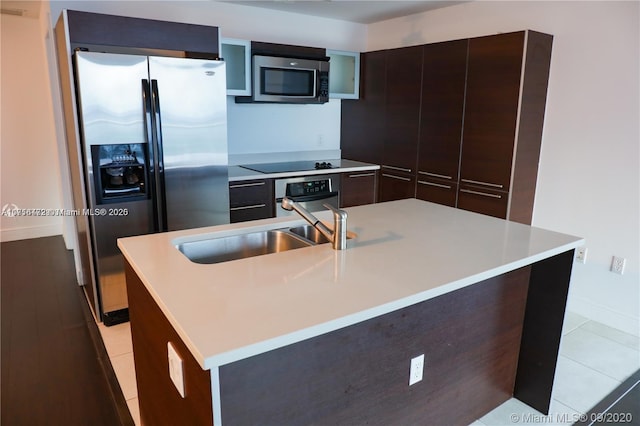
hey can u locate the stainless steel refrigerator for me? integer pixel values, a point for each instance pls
(153, 138)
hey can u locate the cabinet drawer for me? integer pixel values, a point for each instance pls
(396, 185)
(437, 190)
(482, 200)
(250, 192)
(251, 200)
(251, 212)
(358, 188)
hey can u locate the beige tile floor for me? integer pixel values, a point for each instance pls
(594, 360)
(117, 340)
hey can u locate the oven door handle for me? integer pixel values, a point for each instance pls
(306, 198)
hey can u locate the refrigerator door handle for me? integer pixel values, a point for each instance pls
(146, 106)
(152, 151)
(158, 157)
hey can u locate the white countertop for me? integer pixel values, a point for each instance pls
(238, 173)
(406, 252)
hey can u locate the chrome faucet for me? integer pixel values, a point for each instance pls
(338, 236)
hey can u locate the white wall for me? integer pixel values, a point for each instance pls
(30, 176)
(588, 183)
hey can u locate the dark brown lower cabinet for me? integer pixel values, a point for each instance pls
(396, 185)
(358, 188)
(251, 200)
(482, 200)
(437, 191)
(112, 32)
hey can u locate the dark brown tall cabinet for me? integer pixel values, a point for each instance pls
(480, 117)
(507, 78)
(383, 125)
(441, 116)
(402, 124)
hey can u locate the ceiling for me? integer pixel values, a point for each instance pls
(360, 11)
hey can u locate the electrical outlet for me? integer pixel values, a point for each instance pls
(581, 254)
(417, 369)
(176, 369)
(617, 264)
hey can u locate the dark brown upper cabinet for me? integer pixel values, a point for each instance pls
(363, 121)
(112, 33)
(287, 50)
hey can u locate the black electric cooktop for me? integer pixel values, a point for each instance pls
(293, 166)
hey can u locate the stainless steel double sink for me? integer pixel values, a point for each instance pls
(224, 249)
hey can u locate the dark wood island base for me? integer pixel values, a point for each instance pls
(483, 344)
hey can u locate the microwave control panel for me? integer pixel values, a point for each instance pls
(324, 85)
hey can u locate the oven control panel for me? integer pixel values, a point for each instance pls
(311, 187)
(312, 192)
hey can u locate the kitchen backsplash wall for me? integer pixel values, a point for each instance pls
(264, 128)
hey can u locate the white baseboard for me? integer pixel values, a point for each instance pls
(604, 315)
(14, 234)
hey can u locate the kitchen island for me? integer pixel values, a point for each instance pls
(315, 335)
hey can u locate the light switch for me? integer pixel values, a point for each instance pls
(176, 369)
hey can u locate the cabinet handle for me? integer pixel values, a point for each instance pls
(484, 194)
(477, 182)
(434, 175)
(245, 185)
(400, 169)
(439, 185)
(396, 177)
(254, 206)
(362, 175)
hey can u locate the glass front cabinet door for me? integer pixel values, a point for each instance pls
(344, 74)
(237, 55)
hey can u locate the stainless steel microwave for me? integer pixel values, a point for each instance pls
(290, 80)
